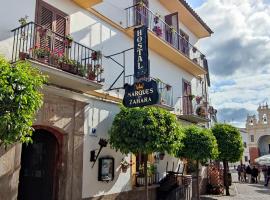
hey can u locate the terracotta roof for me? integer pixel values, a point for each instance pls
(188, 7)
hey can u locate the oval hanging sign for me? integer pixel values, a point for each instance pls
(143, 93)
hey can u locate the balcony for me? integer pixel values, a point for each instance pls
(165, 92)
(153, 179)
(166, 41)
(67, 63)
(193, 109)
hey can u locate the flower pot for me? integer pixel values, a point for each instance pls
(23, 55)
(91, 76)
(124, 168)
(69, 68)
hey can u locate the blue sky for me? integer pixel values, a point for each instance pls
(238, 55)
(195, 3)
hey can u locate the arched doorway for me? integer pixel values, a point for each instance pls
(264, 145)
(39, 162)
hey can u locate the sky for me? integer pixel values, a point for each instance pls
(238, 54)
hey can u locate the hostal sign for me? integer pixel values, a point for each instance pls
(141, 94)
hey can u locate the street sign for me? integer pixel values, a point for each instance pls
(140, 94)
(141, 68)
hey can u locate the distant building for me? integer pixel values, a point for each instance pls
(258, 130)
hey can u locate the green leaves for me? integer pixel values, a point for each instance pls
(20, 99)
(198, 144)
(230, 144)
(145, 130)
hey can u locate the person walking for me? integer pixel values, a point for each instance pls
(248, 171)
(268, 176)
(239, 172)
(264, 171)
(254, 174)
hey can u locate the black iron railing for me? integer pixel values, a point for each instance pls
(165, 90)
(139, 14)
(35, 42)
(140, 179)
(193, 105)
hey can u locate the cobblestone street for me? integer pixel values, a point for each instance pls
(244, 191)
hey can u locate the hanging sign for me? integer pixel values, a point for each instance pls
(140, 94)
(141, 68)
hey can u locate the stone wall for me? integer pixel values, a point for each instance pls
(9, 171)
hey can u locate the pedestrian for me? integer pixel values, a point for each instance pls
(268, 176)
(259, 174)
(239, 172)
(248, 171)
(264, 171)
(245, 173)
(254, 174)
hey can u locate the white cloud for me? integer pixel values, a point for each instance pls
(239, 52)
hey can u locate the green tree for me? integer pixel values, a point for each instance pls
(20, 99)
(198, 145)
(145, 130)
(230, 147)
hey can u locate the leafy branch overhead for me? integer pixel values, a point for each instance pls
(20, 98)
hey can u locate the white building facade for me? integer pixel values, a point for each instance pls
(85, 87)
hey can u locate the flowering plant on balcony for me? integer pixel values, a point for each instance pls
(68, 64)
(68, 40)
(156, 18)
(198, 99)
(40, 52)
(23, 20)
(157, 30)
(94, 71)
(96, 55)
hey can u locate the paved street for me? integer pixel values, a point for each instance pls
(244, 191)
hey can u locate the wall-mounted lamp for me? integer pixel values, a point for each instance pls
(93, 157)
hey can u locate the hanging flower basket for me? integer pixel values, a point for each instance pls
(198, 99)
(124, 165)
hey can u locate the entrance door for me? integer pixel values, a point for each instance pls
(38, 168)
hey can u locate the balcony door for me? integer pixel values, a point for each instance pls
(55, 20)
(184, 43)
(171, 35)
(187, 101)
(141, 13)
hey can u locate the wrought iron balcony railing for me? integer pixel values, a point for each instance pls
(35, 42)
(139, 14)
(165, 90)
(193, 108)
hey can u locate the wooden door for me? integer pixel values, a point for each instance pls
(187, 101)
(141, 13)
(171, 35)
(38, 168)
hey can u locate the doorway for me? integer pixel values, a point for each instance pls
(39, 162)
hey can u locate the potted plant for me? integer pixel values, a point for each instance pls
(81, 70)
(156, 18)
(191, 97)
(194, 49)
(124, 165)
(198, 99)
(40, 53)
(23, 20)
(23, 55)
(68, 40)
(68, 65)
(157, 30)
(96, 55)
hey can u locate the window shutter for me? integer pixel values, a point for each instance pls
(46, 18)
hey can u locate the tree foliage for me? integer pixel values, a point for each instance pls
(230, 144)
(145, 130)
(20, 99)
(198, 144)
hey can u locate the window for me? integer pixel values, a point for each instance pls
(246, 159)
(245, 144)
(252, 138)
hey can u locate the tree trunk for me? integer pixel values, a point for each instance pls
(145, 177)
(198, 183)
(225, 177)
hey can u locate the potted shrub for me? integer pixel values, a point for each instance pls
(157, 30)
(96, 55)
(68, 65)
(68, 40)
(124, 165)
(198, 99)
(23, 20)
(40, 53)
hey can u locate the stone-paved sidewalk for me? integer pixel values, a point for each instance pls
(244, 191)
